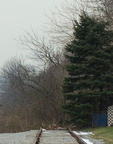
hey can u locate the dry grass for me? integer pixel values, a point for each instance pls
(105, 133)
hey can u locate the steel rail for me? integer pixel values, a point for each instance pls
(77, 137)
(38, 136)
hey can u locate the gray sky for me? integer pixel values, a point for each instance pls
(17, 16)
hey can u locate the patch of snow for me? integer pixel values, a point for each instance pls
(86, 133)
(87, 137)
(87, 141)
(83, 133)
(43, 129)
(77, 133)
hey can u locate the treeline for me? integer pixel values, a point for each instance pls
(32, 94)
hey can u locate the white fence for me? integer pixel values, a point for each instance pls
(110, 115)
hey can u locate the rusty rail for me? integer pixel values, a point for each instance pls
(77, 137)
(38, 136)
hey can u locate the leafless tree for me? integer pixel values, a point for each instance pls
(39, 91)
(61, 22)
(15, 74)
(38, 87)
(103, 9)
(43, 52)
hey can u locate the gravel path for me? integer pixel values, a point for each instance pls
(57, 137)
(18, 138)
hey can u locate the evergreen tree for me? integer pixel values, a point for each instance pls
(89, 84)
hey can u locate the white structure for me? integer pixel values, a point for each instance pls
(110, 115)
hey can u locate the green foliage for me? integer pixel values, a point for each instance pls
(89, 85)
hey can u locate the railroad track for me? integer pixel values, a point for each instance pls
(58, 137)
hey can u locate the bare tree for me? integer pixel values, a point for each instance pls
(15, 74)
(42, 52)
(103, 9)
(61, 22)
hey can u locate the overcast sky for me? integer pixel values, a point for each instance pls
(17, 16)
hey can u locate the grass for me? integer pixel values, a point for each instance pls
(105, 133)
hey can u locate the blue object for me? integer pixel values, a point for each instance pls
(99, 119)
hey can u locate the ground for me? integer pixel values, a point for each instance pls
(95, 136)
(18, 138)
(105, 133)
